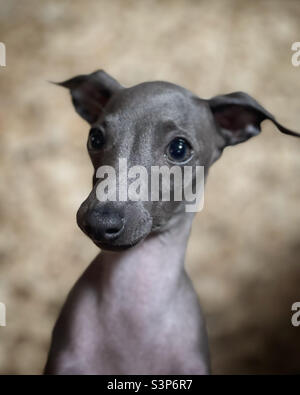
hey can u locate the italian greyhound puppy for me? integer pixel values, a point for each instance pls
(134, 309)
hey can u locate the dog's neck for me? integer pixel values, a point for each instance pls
(150, 270)
(135, 312)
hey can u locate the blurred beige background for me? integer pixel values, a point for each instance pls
(244, 251)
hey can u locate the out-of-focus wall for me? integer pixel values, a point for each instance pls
(244, 252)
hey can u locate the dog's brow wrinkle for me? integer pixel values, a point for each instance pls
(169, 125)
(108, 118)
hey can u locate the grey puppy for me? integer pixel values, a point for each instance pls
(134, 310)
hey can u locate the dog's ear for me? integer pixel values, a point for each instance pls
(238, 117)
(91, 92)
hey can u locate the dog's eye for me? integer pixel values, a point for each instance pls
(96, 139)
(179, 150)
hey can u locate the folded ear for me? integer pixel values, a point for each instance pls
(91, 92)
(239, 116)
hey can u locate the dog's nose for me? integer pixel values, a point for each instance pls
(104, 224)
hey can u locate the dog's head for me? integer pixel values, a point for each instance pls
(153, 125)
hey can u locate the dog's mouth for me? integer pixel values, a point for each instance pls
(109, 246)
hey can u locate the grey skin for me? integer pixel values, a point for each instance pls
(134, 309)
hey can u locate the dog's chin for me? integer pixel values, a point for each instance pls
(115, 246)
